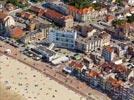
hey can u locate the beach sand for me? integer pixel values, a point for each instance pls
(6, 94)
(21, 82)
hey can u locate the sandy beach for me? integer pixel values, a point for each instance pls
(6, 94)
(21, 82)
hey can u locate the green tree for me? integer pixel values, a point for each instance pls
(118, 22)
(18, 3)
(36, 1)
(130, 19)
(96, 6)
(80, 3)
(120, 2)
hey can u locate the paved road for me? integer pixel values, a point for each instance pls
(69, 82)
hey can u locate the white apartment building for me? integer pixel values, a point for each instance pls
(88, 44)
(62, 38)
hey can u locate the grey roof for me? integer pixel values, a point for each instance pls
(45, 52)
(43, 26)
(3, 2)
(30, 34)
(88, 39)
(100, 27)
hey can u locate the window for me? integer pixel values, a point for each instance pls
(63, 35)
(66, 40)
(57, 34)
(57, 39)
(72, 45)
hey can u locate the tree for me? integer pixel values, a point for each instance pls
(118, 22)
(130, 19)
(36, 1)
(18, 3)
(120, 2)
(96, 6)
(79, 3)
(14, 2)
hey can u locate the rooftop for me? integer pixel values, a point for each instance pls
(93, 74)
(114, 82)
(88, 39)
(2, 15)
(120, 68)
(45, 51)
(80, 11)
(107, 66)
(109, 49)
(76, 65)
(55, 15)
(26, 15)
(16, 32)
(104, 34)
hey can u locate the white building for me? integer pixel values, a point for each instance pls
(88, 44)
(131, 2)
(48, 55)
(62, 38)
(6, 22)
(9, 21)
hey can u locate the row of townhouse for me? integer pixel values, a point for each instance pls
(92, 43)
(117, 89)
(83, 14)
(54, 16)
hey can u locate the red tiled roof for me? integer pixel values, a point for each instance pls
(38, 10)
(125, 25)
(110, 17)
(114, 82)
(132, 10)
(72, 63)
(109, 49)
(52, 14)
(26, 15)
(80, 11)
(17, 32)
(2, 15)
(107, 66)
(35, 9)
(76, 65)
(120, 68)
(93, 74)
(55, 16)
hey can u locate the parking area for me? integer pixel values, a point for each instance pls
(32, 54)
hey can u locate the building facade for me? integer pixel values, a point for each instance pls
(108, 53)
(6, 22)
(80, 14)
(88, 44)
(62, 38)
(58, 18)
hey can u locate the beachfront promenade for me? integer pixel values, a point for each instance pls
(69, 82)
